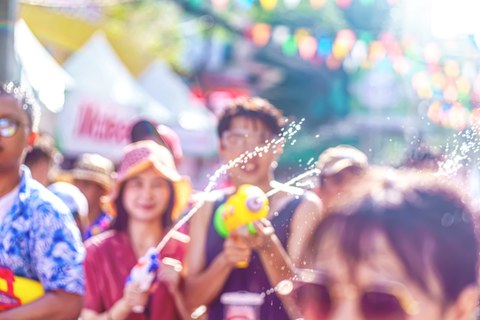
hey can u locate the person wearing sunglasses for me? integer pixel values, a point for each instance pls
(247, 124)
(39, 239)
(403, 247)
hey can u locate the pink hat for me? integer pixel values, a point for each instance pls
(148, 130)
(172, 140)
(142, 155)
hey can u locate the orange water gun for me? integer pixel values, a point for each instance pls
(15, 290)
(247, 205)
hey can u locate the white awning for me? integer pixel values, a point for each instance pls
(46, 77)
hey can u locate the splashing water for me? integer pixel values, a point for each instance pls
(283, 288)
(295, 180)
(286, 134)
(460, 153)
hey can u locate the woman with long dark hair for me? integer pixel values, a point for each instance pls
(150, 194)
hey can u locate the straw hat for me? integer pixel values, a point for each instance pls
(341, 157)
(146, 154)
(93, 167)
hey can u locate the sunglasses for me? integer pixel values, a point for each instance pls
(317, 298)
(8, 127)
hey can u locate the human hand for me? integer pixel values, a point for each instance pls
(135, 299)
(263, 237)
(169, 273)
(236, 251)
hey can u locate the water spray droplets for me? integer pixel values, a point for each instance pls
(460, 153)
(286, 134)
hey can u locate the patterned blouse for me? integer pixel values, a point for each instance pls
(40, 240)
(100, 225)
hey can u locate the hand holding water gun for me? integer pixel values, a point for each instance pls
(144, 272)
(240, 211)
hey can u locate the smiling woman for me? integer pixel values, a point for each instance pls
(149, 195)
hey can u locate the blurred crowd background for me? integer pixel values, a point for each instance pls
(390, 77)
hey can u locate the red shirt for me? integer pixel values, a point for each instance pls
(109, 259)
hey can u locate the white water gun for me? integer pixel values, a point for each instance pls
(144, 272)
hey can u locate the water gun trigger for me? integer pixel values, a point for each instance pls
(248, 204)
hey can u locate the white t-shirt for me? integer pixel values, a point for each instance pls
(7, 201)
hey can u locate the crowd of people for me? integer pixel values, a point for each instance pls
(368, 242)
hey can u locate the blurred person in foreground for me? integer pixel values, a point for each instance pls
(92, 174)
(339, 167)
(403, 247)
(43, 159)
(149, 195)
(211, 260)
(38, 237)
(75, 201)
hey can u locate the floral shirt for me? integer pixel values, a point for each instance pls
(40, 240)
(98, 226)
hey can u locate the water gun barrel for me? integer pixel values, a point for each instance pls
(144, 273)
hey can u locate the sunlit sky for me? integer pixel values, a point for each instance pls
(451, 18)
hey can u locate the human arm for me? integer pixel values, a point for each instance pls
(306, 218)
(203, 285)
(275, 260)
(47, 307)
(170, 274)
(132, 296)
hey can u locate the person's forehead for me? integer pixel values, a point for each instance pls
(9, 108)
(248, 123)
(148, 173)
(378, 260)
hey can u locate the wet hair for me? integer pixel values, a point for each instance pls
(120, 223)
(254, 108)
(25, 101)
(426, 222)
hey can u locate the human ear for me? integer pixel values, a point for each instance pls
(221, 151)
(466, 304)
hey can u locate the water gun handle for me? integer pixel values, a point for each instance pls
(247, 205)
(144, 273)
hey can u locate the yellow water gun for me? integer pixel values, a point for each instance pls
(247, 205)
(15, 290)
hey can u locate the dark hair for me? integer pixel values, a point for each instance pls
(255, 108)
(420, 157)
(25, 101)
(121, 219)
(425, 221)
(44, 148)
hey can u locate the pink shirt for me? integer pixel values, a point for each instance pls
(109, 260)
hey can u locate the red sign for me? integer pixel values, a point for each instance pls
(218, 98)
